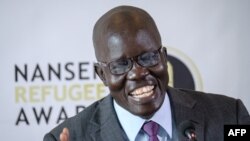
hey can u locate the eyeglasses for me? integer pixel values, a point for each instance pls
(121, 66)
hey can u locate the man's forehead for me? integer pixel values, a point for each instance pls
(141, 37)
(121, 48)
(118, 45)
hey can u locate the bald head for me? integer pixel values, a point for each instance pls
(119, 27)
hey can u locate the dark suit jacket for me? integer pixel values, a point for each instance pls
(208, 113)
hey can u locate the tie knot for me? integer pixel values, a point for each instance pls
(151, 128)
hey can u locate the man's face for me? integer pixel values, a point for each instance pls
(140, 90)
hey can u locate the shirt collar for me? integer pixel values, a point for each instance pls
(132, 124)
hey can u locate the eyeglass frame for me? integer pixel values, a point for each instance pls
(160, 50)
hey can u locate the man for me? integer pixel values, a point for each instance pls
(132, 64)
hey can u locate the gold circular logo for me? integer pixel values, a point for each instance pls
(182, 71)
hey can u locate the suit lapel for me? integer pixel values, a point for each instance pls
(105, 125)
(184, 109)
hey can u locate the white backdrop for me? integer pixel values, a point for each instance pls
(37, 34)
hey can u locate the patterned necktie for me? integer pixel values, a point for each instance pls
(151, 128)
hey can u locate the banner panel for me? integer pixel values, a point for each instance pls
(47, 56)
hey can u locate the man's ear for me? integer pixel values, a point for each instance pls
(100, 73)
(165, 54)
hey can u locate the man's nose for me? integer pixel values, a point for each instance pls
(137, 72)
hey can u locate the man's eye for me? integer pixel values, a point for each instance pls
(147, 56)
(122, 63)
(119, 64)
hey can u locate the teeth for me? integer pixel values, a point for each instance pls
(143, 95)
(143, 91)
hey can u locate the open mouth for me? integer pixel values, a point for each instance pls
(142, 92)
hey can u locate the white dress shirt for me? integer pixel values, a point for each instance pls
(132, 124)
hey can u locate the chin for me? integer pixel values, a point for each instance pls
(151, 110)
(145, 114)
